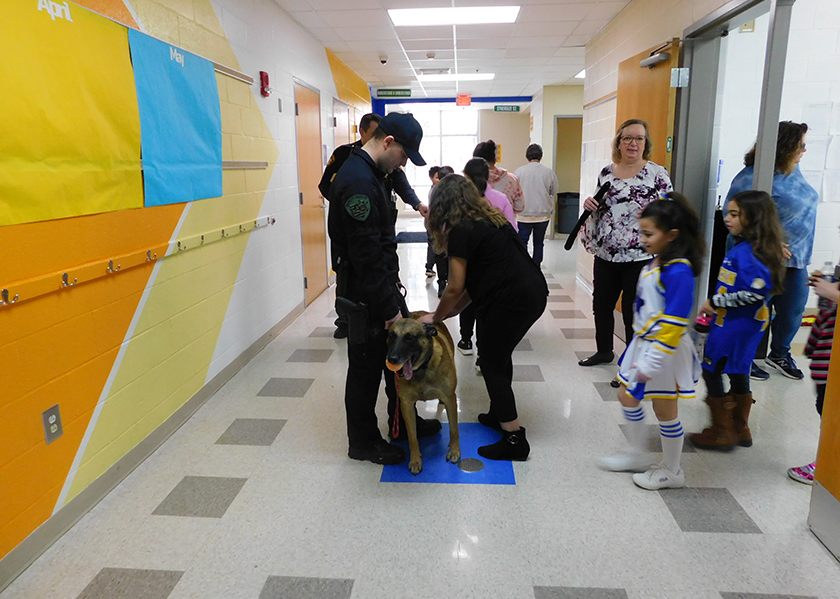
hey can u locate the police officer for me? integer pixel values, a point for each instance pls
(396, 181)
(361, 227)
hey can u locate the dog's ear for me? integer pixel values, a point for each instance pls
(430, 330)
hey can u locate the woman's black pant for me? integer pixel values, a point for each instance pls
(609, 280)
(498, 332)
(739, 384)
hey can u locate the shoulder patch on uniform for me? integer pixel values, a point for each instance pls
(358, 206)
(332, 159)
(758, 283)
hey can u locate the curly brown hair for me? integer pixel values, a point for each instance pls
(788, 145)
(454, 199)
(616, 152)
(763, 230)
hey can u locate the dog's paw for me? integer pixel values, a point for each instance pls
(454, 455)
(415, 466)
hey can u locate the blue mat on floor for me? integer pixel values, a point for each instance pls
(412, 237)
(437, 470)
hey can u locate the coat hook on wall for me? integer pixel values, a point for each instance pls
(150, 257)
(202, 240)
(5, 298)
(224, 235)
(111, 268)
(181, 247)
(65, 280)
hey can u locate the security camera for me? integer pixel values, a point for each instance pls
(383, 58)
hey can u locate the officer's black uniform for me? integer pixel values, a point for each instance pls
(361, 223)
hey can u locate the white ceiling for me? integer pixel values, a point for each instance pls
(544, 47)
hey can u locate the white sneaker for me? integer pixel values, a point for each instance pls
(628, 459)
(659, 477)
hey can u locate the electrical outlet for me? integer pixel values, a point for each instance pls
(52, 424)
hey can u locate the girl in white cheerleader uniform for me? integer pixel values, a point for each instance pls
(660, 363)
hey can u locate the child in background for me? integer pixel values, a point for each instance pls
(818, 349)
(750, 272)
(660, 363)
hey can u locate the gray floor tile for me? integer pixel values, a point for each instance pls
(606, 392)
(560, 299)
(279, 387)
(311, 355)
(654, 440)
(578, 333)
(524, 345)
(322, 332)
(578, 593)
(548, 275)
(527, 373)
(292, 587)
(201, 497)
(332, 314)
(567, 314)
(763, 596)
(555, 286)
(251, 431)
(124, 583)
(708, 510)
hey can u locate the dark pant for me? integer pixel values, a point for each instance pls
(820, 398)
(539, 237)
(611, 279)
(430, 256)
(499, 332)
(364, 375)
(442, 263)
(467, 321)
(739, 384)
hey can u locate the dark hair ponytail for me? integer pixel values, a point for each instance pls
(478, 171)
(676, 213)
(486, 150)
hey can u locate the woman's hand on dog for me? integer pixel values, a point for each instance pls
(427, 318)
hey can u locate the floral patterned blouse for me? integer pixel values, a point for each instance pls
(508, 184)
(612, 233)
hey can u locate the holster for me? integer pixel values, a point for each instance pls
(356, 314)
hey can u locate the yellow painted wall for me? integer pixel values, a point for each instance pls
(351, 89)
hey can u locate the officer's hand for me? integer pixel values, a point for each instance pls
(423, 210)
(391, 321)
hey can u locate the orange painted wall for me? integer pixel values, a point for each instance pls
(59, 348)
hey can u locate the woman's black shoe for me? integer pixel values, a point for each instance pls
(490, 421)
(378, 453)
(597, 358)
(512, 447)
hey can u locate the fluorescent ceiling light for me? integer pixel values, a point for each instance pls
(454, 77)
(581, 75)
(464, 15)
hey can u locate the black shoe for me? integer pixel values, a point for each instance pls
(340, 333)
(512, 447)
(490, 421)
(597, 358)
(465, 346)
(757, 374)
(425, 428)
(786, 366)
(380, 452)
(615, 383)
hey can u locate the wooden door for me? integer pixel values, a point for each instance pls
(645, 93)
(567, 153)
(313, 220)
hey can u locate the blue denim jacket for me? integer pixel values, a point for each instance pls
(797, 203)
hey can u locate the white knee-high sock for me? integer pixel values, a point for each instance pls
(672, 443)
(635, 426)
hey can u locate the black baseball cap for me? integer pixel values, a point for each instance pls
(407, 132)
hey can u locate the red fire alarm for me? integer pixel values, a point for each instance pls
(264, 89)
(463, 100)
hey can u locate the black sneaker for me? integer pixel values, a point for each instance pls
(340, 333)
(758, 374)
(786, 366)
(430, 273)
(465, 347)
(378, 453)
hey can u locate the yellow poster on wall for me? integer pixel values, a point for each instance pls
(69, 123)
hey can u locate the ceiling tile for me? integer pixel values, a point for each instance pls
(350, 34)
(576, 52)
(484, 31)
(424, 45)
(440, 56)
(536, 42)
(342, 4)
(413, 3)
(553, 12)
(356, 18)
(479, 44)
(482, 54)
(546, 29)
(309, 19)
(606, 10)
(590, 27)
(435, 32)
(389, 45)
(529, 52)
(577, 40)
(325, 34)
(293, 5)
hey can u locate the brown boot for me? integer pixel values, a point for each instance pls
(741, 418)
(721, 435)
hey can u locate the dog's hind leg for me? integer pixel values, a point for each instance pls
(451, 404)
(415, 463)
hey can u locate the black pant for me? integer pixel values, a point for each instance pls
(499, 332)
(364, 375)
(820, 398)
(611, 279)
(739, 384)
(467, 322)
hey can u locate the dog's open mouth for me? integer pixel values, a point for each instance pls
(406, 370)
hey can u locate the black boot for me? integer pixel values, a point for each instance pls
(512, 447)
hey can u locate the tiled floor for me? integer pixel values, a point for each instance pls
(255, 498)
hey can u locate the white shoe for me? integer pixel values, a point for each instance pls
(626, 460)
(659, 477)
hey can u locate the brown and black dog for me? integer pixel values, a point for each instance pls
(423, 357)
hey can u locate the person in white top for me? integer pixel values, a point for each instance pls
(540, 187)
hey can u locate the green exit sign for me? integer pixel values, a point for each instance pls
(393, 93)
(505, 108)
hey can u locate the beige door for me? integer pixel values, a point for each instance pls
(343, 124)
(312, 206)
(567, 153)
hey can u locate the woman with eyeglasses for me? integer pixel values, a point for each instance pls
(612, 232)
(796, 202)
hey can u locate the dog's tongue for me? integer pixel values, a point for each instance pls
(408, 370)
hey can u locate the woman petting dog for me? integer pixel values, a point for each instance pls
(490, 268)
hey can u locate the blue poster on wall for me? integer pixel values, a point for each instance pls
(180, 122)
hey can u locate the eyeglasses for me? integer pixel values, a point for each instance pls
(626, 139)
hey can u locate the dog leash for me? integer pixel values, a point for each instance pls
(395, 427)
